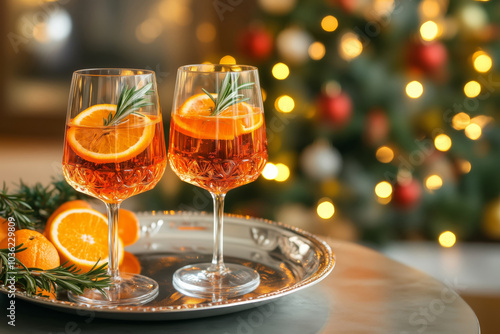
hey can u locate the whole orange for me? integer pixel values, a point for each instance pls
(40, 252)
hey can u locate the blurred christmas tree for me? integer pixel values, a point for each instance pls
(381, 117)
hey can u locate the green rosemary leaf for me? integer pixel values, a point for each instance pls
(64, 277)
(130, 100)
(228, 93)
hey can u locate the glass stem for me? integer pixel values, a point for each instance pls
(218, 258)
(112, 209)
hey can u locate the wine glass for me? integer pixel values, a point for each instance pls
(217, 142)
(114, 148)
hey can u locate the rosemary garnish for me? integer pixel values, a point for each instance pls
(64, 277)
(131, 99)
(228, 93)
(31, 206)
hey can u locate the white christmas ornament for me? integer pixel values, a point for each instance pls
(473, 16)
(278, 7)
(321, 161)
(293, 44)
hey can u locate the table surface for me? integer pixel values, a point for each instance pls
(365, 293)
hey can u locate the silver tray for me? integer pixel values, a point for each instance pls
(287, 258)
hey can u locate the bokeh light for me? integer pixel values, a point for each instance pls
(205, 32)
(316, 50)
(280, 71)
(383, 189)
(414, 89)
(284, 103)
(350, 46)
(329, 23)
(283, 173)
(270, 171)
(472, 89)
(148, 31)
(227, 60)
(473, 131)
(430, 8)
(434, 182)
(429, 30)
(482, 62)
(442, 142)
(460, 121)
(384, 154)
(325, 209)
(447, 239)
(465, 166)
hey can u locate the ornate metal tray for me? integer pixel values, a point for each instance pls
(287, 259)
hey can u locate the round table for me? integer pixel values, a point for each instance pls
(365, 293)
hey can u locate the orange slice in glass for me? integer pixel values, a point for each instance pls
(193, 119)
(105, 144)
(81, 238)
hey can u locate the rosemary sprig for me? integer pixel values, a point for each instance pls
(228, 93)
(14, 205)
(67, 278)
(31, 206)
(131, 99)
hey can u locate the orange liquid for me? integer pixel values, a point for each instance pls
(114, 182)
(216, 165)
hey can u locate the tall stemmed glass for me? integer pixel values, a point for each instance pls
(217, 142)
(114, 148)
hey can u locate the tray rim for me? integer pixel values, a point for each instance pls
(325, 268)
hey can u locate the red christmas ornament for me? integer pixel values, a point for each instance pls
(376, 127)
(407, 195)
(337, 109)
(257, 43)
(428, 57)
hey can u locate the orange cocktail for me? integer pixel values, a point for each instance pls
(218, 153)
(217, 142)
(114, 148)
(101, 174)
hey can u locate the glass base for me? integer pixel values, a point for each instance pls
(131, 289)
(196, 281)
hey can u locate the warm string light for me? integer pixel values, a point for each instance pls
(472, 89)
(227, 60)
(460, 121)
(284, 103)
(277, 172)
(429, 30)
(482, 61)
(280, 71)
(473, 131)
(447, 239)
(465, 166)
(329, 23)
(206, 32)
(383, 189)
(350, 46)
(384, 154)
(325, 209)
(316, 50)
(433, 182)
(442, 142)
(414, 89)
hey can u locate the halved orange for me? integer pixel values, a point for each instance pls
(81, 237)
(130, 264)
(104, 144)
(63, 207)
(129, 229)
(193, 119)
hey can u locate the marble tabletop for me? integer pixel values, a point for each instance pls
(366, 293)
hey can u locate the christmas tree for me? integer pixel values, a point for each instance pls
(381, 118)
